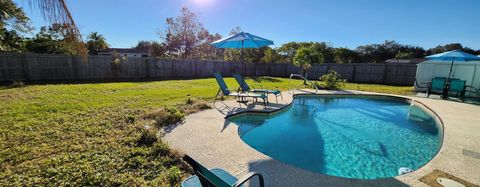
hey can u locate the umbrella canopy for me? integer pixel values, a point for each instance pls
(242, 40)
(455, 55)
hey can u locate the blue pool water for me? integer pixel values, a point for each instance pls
(365, 137)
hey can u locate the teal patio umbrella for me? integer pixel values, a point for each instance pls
(454, 56)
(242, 40)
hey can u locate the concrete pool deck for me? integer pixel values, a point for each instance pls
(207, 137)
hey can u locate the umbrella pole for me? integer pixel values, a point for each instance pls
(450, 72)
(241, 56)
(241, 52)
(446, 86)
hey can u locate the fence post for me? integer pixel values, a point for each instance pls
(74, 68)
(354, 73)
(244, 68)
(270, 70)
(384, 73)
(26, 69)
(147, 66)
(172, 72)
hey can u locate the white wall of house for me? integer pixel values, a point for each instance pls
(127, 54)
(134, 54)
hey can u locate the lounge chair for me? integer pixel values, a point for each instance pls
(457, 87)
(226, 92)
(215, 177)
(245, 88)
(472, 91)
(436, 86)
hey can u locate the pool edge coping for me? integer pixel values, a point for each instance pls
(408, 99)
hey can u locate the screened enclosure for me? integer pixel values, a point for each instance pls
(464, 70)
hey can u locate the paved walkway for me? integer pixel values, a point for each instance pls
(214, 142)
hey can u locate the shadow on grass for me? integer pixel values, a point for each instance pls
(264, 79)
(101, 81)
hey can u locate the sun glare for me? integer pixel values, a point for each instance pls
(202, 2)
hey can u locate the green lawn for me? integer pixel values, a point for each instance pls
(82, 134)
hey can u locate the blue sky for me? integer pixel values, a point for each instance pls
(344, 23)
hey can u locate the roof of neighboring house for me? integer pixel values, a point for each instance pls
(125, 50)
(406, 61)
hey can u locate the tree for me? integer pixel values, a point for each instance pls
(143, 44)
(96, 42)
(205, 50)
(453, 46)
(235, 30)
(471, 51)
(378, 53)
(271, 55)
(13, 22)
(414, 51)
(53, 40)
(289, 50)
(404, 55)
(43, 42)
(234, 55)
(325, 49)
(345, 55)
(305, 57)
(155, 48)
(13, 16)
(10, 41)
(181, 34)
(57, 12)
(249, 55)
(448, 47)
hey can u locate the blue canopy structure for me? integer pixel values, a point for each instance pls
(242, 40)
(455, 55)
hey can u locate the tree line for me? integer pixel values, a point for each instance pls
(185, 37)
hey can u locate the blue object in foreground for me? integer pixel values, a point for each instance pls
(361, 137)
(242, 40)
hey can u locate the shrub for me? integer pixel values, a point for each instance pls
(130, 119)
(17, 84)
(193, 106)
(117, 60)
(332, 80)
(166, 116)
(169, 177)
(148, 138)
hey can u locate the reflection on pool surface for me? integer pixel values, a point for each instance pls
(363, 137)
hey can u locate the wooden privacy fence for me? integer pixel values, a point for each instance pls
(42, 67)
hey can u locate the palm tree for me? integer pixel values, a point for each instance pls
(56, 11)
(96, 42)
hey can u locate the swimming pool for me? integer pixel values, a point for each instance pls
(351, 136)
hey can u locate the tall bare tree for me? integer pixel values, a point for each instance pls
(181, 34)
